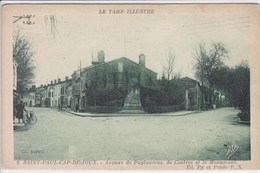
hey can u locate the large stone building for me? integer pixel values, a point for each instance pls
(93, 85)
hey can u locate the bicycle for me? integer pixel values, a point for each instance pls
(30, 118)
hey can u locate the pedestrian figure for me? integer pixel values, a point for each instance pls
(59, 105)
(14, 112)
(19, 110)
(77, 106)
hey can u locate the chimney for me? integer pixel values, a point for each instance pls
(66, 78)
(120, 67)
(142, 59)
(33, 86)
(55, 81)
(101, 56)
(58, 80)
(51, 82)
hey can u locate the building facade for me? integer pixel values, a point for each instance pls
(28, 97)
(15, 93)
(50, 95)
(97, 84)
(196, 95)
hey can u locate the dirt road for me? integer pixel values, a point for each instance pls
(204, 136)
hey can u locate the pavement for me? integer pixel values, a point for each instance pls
(196, 136)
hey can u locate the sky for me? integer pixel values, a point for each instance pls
(77, 36)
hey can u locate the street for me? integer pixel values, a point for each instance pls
(198, 136)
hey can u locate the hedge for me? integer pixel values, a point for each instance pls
(150, 109)
(103, 109)
(163, 109)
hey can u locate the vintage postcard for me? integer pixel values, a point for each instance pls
(130, 86)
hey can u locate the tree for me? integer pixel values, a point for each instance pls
(168, 67)
(207, 60)
(205, 63)
(23, 55)
(241, 86)
(168, 95)
(235, 83)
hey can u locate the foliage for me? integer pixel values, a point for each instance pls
(205, 63)
(241, 85)
(235, 83)
(170, 93)
(163, 109)
(114, 97)
(103, 109)
(148, 97)
(207, 60)
(97, 92)
(23, 55)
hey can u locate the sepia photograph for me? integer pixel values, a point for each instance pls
(137, 84)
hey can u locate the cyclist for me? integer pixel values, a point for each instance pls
(19, 110)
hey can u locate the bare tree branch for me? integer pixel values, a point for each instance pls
(23, 55)
(168, 67)
(205, 61)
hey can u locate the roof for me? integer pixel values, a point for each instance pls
(188, 79)
(204, 87)
(59, 82)
(45, 86)
(118, 59)
(139, 65)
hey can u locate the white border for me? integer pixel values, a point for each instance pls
(134, 1)
(108, 2)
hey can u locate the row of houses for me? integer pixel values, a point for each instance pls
(51, 95)
(97, 84)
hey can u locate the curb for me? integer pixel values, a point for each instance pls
(128, 115)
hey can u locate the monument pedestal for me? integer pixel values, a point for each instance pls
(132, 103)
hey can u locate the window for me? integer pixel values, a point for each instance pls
(62, 91)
